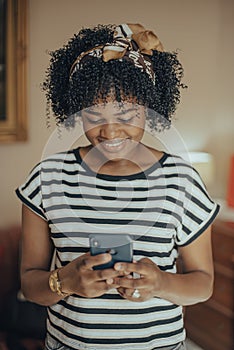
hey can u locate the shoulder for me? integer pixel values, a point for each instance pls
(53, 163)
(179, 164)
(170, 159)
(176, 168)
(57, 159)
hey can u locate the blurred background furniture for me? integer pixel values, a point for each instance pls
(211, 324)
(22, 323)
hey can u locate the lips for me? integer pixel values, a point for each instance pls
(114, 145)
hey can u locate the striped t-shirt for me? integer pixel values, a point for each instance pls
(161, 208)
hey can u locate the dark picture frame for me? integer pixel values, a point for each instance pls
(13, 70)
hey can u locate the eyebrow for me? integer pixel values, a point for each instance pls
(90, 111)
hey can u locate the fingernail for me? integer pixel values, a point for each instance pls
(106, 257)
(118, 267)
(109, 281)
(129, 277)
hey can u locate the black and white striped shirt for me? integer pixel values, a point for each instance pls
(162, 208)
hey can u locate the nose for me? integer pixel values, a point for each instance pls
(110, 130)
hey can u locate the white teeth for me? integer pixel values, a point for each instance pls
(113, 143)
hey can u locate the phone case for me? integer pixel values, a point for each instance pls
(119, 246)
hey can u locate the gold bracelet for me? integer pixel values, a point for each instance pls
(55, 284)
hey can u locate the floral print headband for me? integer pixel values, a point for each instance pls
(131, 42)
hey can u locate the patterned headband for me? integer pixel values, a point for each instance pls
(131, 42)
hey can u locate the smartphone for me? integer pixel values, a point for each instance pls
(119, 246)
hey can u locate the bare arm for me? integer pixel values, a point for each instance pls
(194, 285)
(37, 252)
(77, 277)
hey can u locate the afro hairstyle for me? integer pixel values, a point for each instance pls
(97, 80)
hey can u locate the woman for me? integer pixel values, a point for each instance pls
(117, 80)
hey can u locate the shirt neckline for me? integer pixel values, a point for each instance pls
(139, 175)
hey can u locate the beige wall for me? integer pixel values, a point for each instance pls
(203, 32)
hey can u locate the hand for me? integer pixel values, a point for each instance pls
(78, 277)
(149, 283)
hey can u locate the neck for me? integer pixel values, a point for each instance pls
(141, 159)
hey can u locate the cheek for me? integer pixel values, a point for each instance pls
(135, 133)
(90, 133)
(138, 131)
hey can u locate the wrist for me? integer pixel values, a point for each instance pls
(56, 284)
(161, 285)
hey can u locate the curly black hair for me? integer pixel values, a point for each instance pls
(67, 96)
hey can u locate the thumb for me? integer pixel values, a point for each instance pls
(146, 261)
(88, 261)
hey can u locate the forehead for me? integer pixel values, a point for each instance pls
(115, 108)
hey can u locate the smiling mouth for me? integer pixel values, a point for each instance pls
(113, 145)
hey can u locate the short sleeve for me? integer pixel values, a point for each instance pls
(199, 210)
(30, 192)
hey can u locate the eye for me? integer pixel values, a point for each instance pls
(95, 121)
(126, 120)
(92, 116)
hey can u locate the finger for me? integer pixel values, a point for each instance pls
(107, 274)
(142, 267)
(125, 282)
(121, 291)
(88, 261)
(105, 286)
(99, 289)
(125, 293)
(129, 268)
(129, 294)
(146, 261)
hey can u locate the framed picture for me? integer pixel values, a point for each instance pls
(13, 70)
(230, 187)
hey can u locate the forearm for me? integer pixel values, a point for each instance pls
(193, 286)
(35, 287)
(77, 277)
(186, 289)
